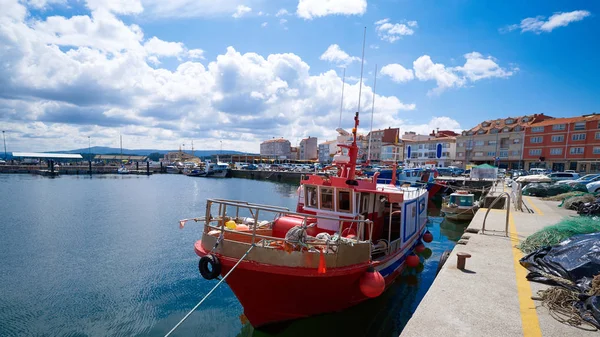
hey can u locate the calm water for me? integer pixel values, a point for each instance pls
(104, 256)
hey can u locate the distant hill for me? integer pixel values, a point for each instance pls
(144, 152)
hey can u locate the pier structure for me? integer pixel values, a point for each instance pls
(491, 295)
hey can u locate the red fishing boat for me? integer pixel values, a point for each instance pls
(347, 240)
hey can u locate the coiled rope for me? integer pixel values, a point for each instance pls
(210, 292)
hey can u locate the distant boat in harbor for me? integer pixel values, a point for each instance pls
(460, 206)
(123, 170)
(212, 170)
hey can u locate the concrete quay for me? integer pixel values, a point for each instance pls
(491, 297)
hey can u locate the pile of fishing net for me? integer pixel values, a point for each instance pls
(575, 202)
(563, 196)
(589, 208)
(563, 230)
(548, 190)
(572, 267)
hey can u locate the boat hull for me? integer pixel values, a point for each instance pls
(453, 213)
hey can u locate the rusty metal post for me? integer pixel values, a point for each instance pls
(461, 260)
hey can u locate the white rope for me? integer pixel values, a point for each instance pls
(210, 292)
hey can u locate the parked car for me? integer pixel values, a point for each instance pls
(538, 170)
(557, 176)
(593, 187)
(518, 173)
(586, 179)
(2, 161)
(249, 167)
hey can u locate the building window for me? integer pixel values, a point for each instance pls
(492, 142)
(446, 145)
(536, 140)
(556, 151)
(579, 126)
(525, 119)
(558, 139)
(558, 127)
(478, 154)
(597, 135)
(310, 196)
(479, 143)
(576, 150)
(506, 129)
(535, 152)
(460, 154)
(481, 132)
(445, 154)
(596, 150)
(327, 198)
(461, 144)
(514, 153)
(509, 121)
(578, 136)
(516, 141)
(491, 154)
(537, 129)
(503, 154)
(344, 201)
(494, 130)
(518, 128)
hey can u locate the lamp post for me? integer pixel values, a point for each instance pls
(4, 137)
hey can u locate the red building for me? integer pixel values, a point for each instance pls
(564, 144)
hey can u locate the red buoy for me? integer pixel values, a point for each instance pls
(427, 237)
(419, 248)
(372, 283)
(412, 260)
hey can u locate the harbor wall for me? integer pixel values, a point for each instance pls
(292, 177)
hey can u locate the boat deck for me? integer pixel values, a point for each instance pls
(491, 297)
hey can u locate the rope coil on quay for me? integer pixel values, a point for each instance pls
(210, 292)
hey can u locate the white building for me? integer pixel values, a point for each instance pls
(437, 149)
(327, 150)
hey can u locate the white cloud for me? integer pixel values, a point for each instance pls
(282, 22)
(336, 55)
(442, 122)
(309, 9)
(282, 12)
(44, 4)
(476, 68)
(397, 73)
(539, 24)
(196, 54)
(264, 24)
(158, 47)
(116, 6)
(241, 10)
(192, 8)
(82, 82)
(392, 32)
(374, 46)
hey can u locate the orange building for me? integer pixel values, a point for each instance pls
(564, 144)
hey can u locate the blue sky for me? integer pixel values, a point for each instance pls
(165, 72)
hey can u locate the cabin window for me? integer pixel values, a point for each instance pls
(344, 201)
(327, 198)
(365, 203)
(310, 196)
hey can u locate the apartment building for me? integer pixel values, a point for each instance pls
(438, 149)
(327, 150)
(377, 139)
(497, 142)
(564, 144)
(308, 149)
(276, 148)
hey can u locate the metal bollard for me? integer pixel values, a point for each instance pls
(461, 260)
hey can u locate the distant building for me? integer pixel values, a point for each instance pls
(179, 156)
(379, 137)
(294, 153)
(392, 153)
(277, 147)
(564, 144)
(327, 150)
(437, 149)
(308, 149)
(498, 142)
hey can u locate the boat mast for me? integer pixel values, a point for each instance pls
(372, 112)
(353, 150)
(342, 104)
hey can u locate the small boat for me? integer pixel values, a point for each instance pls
(173, 169)
(346, 242)
(123, 170)
(460, 206)
(212, 170)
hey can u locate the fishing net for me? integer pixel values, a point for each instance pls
(563, 196)
(548, 190)
(565, 229)
(574, 202)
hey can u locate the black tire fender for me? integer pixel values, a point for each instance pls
(209, 266)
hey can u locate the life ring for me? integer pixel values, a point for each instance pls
(209, 266)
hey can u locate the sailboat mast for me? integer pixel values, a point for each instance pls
(362, 62)
(372, 112)
(342, 104)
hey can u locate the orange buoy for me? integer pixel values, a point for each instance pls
(428, 237)
(349, 233)
(242, 228)
(419, 248)
(372, 283)
(412, 260)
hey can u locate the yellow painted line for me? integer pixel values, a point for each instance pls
(535, 208)
(529, 318)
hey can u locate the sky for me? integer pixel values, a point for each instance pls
(237, 72)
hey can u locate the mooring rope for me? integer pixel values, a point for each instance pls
(210, 292)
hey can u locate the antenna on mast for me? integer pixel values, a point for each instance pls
(362, 61)
(372, 112)
(342, 104)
